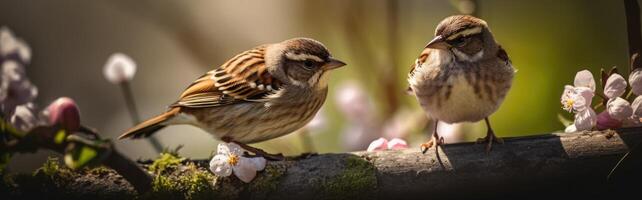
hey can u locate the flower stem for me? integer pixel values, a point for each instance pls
(133, 112)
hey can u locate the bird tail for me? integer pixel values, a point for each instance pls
(150, 126)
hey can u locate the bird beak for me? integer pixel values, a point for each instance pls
(438, 42)
(333, 64)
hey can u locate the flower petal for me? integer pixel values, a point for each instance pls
(223, 149)
(619, 108)
(605, 121)
(235, 149)
(397, 143)
(220, 166)
(378, 144)
(259, 163)
(637, 106)
(585, 120)
(635, 80)
(615, 86)
(24, 117)
(584, 78)
(245, 170)
(570, 129)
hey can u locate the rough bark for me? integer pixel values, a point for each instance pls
(574, 165)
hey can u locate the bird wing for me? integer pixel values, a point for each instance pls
(243, 78)
(420, 60)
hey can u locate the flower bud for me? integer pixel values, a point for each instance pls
(635, 80)
(64, 111)
(615, 86)
(619, 108)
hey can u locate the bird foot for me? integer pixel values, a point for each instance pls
(433, 142)
(260, 153)
(489, 140)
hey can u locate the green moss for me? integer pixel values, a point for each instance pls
(189, 183)
(266, 181)
(164, 162)
(357, 181)
(50, 179)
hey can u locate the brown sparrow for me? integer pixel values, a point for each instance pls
(462, 75)
(260, 94)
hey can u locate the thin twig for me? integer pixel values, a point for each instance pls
(133, 112)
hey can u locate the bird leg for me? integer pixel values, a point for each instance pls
(436, 140)
(490, 137)
(257, 152)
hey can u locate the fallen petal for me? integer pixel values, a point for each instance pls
(245, 170)
(570, 129)
(258, 162)
(378, 144)
(397, 143)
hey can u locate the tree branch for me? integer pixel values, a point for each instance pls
(575, 164)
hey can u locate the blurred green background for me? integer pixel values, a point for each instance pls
(174, 42)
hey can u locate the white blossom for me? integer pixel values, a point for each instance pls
(119, 68)
(229, 159)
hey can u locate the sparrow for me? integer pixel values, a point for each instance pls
(260, 94)
(462, 75)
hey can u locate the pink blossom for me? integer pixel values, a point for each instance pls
(384, 144)
(378, 144)
(397, 143)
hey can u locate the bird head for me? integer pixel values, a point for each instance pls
(301, 61)
(467, 37)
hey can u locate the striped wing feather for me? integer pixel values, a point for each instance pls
(241, 79)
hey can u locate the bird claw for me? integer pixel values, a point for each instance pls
(433, 142)
(489, 140)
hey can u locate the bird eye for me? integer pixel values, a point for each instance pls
(308, 64)
(457, 41)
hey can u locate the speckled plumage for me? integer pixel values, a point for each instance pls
(462, 75)
(260, 94)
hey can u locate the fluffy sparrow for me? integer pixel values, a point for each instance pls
(260, 94)
(462, 75)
